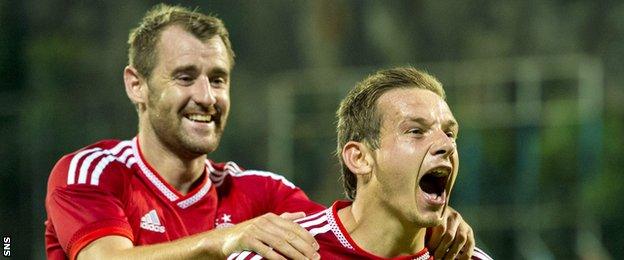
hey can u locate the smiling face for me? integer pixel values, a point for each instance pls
(416, 162)
(188, 93)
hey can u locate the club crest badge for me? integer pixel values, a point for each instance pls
(223, 221)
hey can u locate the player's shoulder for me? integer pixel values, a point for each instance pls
(316, 223)
(90, 165)
(232, 172)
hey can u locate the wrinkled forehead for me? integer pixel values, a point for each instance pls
(405, 103)
(179, 48)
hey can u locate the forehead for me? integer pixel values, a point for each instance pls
(177, 47)
(410, 103)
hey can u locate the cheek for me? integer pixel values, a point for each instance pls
(455, 162)
(174, 97)
(223, 103)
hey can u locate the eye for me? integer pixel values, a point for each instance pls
(217, 82)
(452, 134)
(184, 79)
(416, 131)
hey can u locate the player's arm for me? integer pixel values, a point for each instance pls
(263, 234)
(453, 238)
(90, 222)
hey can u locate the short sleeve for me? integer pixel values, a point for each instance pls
(280, 195)
(84, 212)
(292, 199)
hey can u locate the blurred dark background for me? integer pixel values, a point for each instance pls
(535, 85)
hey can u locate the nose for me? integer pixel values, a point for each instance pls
(443, 145)
(204, 94)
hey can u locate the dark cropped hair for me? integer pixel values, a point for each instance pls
(142, 52)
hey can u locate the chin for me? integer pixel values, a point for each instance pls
(428, 219)
(435, 222)
(204, 146)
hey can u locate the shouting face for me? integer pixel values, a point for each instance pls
(417, 161)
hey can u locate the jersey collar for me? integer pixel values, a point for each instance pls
(164, 188)
(345, 239)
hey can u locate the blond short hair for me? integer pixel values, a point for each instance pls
(358, 117)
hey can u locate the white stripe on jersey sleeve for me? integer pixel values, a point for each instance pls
(95, 176)
(209, 166)
(71, 174)
(256, 257)
(313, 222)
(233, 167)
(479, 254)
(131, 161)
(121, 145)
(95, 152)
(266, 174)
(320, 230)
(233, 256)
(243, 255)
(84, 169)
(306, 218)
(122, 158)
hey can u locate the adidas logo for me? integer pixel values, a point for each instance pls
(150, 222)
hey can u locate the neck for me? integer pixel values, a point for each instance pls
(379, 231)
(180, 171)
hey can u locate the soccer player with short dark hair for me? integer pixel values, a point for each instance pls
(396, 143)
(113, 198)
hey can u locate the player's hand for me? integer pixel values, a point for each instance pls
(269, 234)
(453, 238)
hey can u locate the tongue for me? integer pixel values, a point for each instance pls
(434, 198)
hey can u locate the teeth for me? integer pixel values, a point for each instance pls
(439, 172)
(200, 118)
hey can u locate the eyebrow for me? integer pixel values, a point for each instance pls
(451, 123)
(420, 120)
(187, 69)
(219, 71)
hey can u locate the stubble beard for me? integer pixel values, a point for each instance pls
(199, 147)
(169, 130)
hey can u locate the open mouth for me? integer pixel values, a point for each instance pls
(433, 184)
(202, 118)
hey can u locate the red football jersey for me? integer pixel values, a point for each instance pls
(109, 189)
(336, 243)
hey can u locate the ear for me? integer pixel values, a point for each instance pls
(357, 157)
(136, 89)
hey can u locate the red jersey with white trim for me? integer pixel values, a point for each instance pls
(109, 189)
(336, 243)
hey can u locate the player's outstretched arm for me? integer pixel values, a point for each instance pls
(263, 234)
(453, 238)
